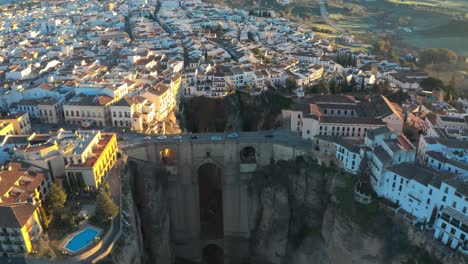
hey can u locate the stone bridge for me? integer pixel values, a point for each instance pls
(207, 187)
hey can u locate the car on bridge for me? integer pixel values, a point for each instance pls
(177, 137)
(147, 138)
(232, 135)
(161, 137)
(216, 138)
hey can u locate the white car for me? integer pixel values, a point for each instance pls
(147, 138)
(177, 137)
(216, 138)
(232, 135)
(161, 137)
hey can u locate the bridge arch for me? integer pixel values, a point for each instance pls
(248, 155)
(210, 199)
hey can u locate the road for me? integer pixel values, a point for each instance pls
(277, 136)
(324, 13)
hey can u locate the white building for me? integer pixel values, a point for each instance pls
(420, 190)
(451, 227)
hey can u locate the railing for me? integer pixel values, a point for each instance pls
(361, 197)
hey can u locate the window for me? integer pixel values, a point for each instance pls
(428, 201)
(464, 210)
(430, 191)
(399, 189)
(454, 205)
(446, 190)
(444, 225)
(308, 132)
(299, 116)
(444, 199)
(452, 231)
(66, 113)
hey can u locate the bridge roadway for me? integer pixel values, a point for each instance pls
(275, 136)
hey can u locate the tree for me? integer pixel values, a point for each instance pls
(431, 82)
(106, 209)
(291, 84)
(323, 87)
(382, 47)
(439, 55)
(55, 199)
(409, 133)
(450, 92)
(364, 171)
(433, 216)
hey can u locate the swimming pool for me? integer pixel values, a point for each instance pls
(82, 239)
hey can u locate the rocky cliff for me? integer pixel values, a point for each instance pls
(300, 213)
(146, 238)
(303, 214)
(238, 112)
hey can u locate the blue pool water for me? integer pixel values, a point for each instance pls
(82, 239)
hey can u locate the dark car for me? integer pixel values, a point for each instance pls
(269, 135)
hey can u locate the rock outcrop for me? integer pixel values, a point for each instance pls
(300, 213)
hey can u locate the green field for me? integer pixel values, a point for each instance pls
(436, 23)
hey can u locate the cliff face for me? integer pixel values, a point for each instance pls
(238, 112)
(299, 212)
(303, 214)
(150, 199)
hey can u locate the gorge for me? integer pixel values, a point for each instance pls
(278, 206)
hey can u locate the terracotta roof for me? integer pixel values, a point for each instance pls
(19, 181)
(16, 216)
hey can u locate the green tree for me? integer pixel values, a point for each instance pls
(382, 47)
(450, 91)
(291, 84)
(439, 55)
(323, 87)
(55, 199)
(431, 82)
(106, 209)
(433, 216)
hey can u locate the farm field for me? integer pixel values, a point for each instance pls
(429, 28)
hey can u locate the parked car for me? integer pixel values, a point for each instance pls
(147, 138)
(177, 137)
(161, 137)
(216, 138)
(232, 135)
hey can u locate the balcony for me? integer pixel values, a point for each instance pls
(464, 249)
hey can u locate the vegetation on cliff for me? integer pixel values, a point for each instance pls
(237, 112)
